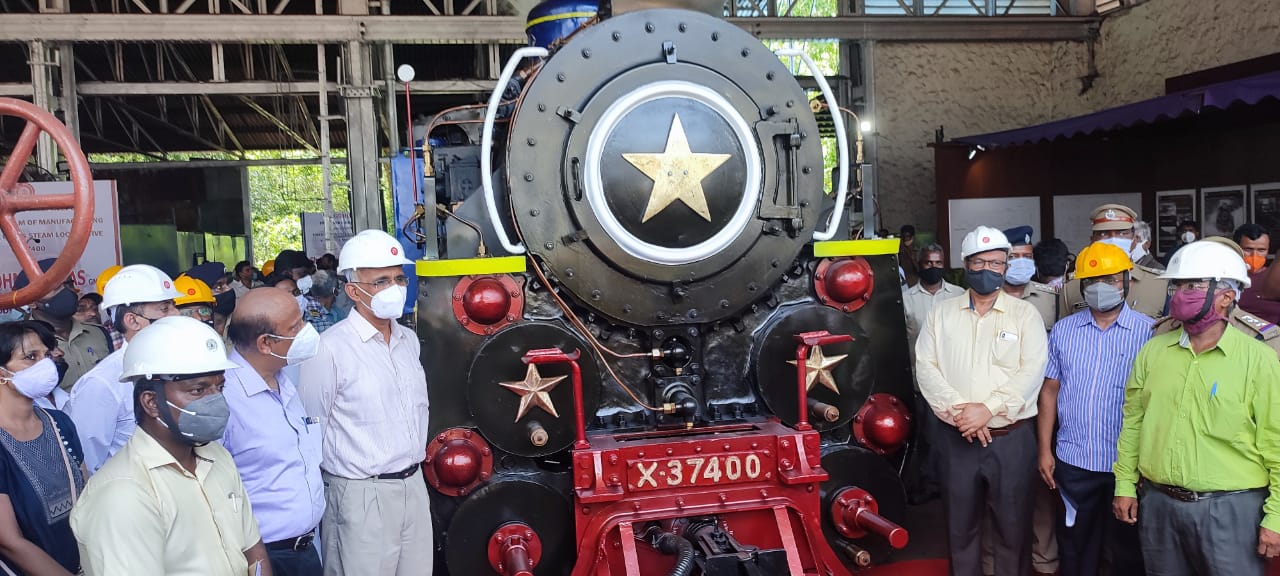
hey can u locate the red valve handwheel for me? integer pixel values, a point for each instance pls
(14, 200)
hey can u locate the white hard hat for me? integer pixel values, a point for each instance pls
(982, 239)
(175, 346)
(1207, 259)
(371, 249)
(136, 284)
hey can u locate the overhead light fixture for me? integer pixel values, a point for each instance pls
(865, 126)
(973, 151)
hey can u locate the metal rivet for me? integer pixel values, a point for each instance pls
(791, 103)
(595, 294)
(648, 27)
(683, 27)
(586, 52)
(528, 176)
(535, 212)
(548, 245)
(560, 76)
(746, 52)
(568, 272)
(626, 309)
(531, 141)
(617, 36)
(542, 107)
(715, 36)
(807, 170)
(724, 303)
(768, 75)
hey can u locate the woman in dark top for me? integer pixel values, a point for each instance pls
(41, 473)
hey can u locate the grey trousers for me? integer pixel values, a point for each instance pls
(377, 527)
(995, 480)
(1213, 537)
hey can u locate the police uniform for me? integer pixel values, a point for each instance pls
(1147, 294)
(84, 347)
(1255, 327)
(1045, 298)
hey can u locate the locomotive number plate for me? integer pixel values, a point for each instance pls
(695, 471)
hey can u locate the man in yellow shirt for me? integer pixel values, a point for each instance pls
(1201, 430)
(980, 361)
(171, 501)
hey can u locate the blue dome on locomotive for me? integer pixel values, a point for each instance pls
(554, 20)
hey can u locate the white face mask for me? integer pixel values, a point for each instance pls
(1188, 237)
(35, 381)
(305, 345)
(304, 284)
(387, 304)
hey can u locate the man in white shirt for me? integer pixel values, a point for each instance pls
(368, 390)
(101, 405)
(980, 362)
(918, 300)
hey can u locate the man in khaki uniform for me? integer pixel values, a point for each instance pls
(1251, 325)
(1113, 223)
(1017, 283)
(1022, 267)
(82, 345)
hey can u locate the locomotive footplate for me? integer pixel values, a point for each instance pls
(759, 481)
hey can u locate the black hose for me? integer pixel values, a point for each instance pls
(670, 543)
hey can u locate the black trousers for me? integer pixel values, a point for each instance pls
(305, 562)
(1081, 545)
(996, 480)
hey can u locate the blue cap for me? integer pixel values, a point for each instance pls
(22, 281)
(1019, 235)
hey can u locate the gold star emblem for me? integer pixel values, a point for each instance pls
(677, 173)
(818, 369)
(534, 390)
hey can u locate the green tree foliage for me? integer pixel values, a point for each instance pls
(278, 194)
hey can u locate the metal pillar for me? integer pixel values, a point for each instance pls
(367, 210)
(70, 93)
(42, 64)
(870, 204)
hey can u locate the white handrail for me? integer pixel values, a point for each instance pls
(842, 141)
(486, 143)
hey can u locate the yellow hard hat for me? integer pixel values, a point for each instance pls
(104, 277)
(268, 267)
(1101, 259)
(192, 291)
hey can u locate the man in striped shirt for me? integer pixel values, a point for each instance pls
(1090, 355)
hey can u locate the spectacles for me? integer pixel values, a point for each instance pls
(976, 264)
(381, 283)
(1189, 286)
(197, 312)
(1112, 280)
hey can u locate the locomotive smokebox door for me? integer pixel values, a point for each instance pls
(660, 185)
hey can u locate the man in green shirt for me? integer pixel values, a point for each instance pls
(1201, 430)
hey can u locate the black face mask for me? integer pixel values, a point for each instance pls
(63, 305)
(224, 303)
(931, 276)
(984, 281)
(62, 366)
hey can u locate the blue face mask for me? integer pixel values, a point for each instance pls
(1020, 271)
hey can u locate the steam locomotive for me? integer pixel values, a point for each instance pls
(646, 355)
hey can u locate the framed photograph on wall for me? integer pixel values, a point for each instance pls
(1264, 200)
(1223, 210)
(1172, 208)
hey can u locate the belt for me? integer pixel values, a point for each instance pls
(296, 544)
(401, 475)
(1184, 495)
(998, 432)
